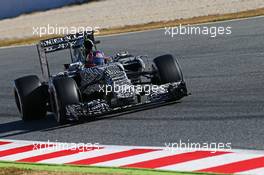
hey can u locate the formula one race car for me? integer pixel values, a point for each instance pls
(82, 91)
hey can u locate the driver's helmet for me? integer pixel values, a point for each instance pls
(98, 58)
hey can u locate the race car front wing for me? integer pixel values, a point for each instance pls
(94, 108)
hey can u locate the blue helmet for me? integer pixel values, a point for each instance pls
(99, 58)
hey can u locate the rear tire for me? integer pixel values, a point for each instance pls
(30, 97)
(168, 70)
(64, 92)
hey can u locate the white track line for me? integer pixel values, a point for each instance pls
(204, 163)
(138, 158)
(82, 155)
(258, 171)
(13, 145)
(28, 154)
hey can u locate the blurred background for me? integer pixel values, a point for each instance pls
(18, 18)
(13, 8)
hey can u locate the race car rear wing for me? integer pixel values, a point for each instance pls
(60, 43)
(65, 42)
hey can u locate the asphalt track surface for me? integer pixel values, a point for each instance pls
(224, 74)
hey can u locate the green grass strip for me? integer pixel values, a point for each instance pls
(91, 169)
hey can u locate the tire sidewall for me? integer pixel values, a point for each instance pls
(29, 98)
(58, 105)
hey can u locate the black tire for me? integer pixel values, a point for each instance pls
(168, 70)
(30, 98)
(64, 92)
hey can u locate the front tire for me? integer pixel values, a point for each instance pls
(30, 97)
(64, 92)
(168, 70)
